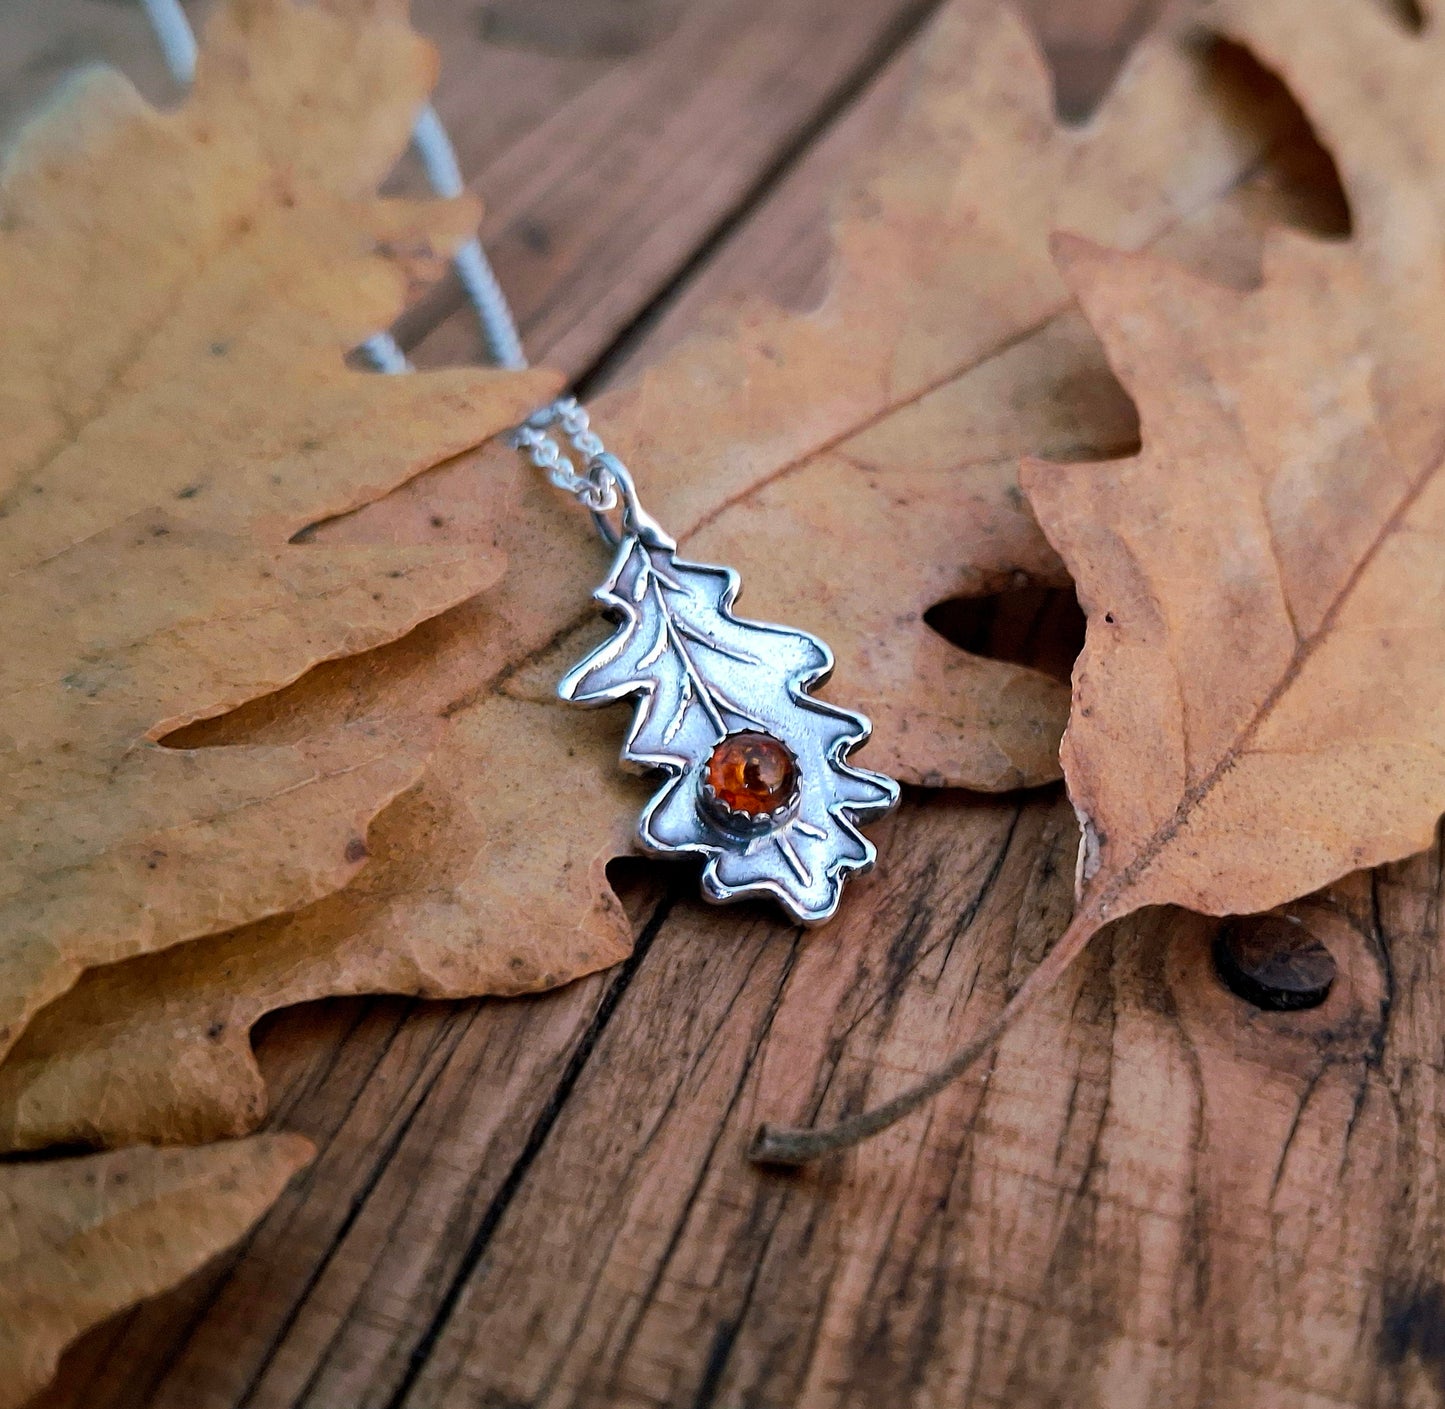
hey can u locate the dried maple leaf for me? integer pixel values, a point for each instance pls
(83, 1238)
(1259, 708)
(886, 423)
(180, 291)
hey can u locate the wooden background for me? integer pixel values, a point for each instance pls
(1155, 1195)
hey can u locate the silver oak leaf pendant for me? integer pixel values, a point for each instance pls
(758, 782)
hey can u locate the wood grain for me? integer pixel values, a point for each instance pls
(603, 207)
(1155, 1195)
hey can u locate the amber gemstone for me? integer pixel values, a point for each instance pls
(753, 773)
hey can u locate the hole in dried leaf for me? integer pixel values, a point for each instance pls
(1084, 60)
(1274, 962)
(1408, 12)
(1029, 625)
(1298, 181)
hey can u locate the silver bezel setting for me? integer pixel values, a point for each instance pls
(734, 821)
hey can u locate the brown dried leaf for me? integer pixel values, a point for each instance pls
(180, 291)
(1375, 91)
(1288, 762)
(857, 463)
(1258, 709)
(81, 1239)
(1260, 705)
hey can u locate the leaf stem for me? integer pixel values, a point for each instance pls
(784, 1145)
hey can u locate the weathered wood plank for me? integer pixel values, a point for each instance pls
(496, 93)
(671, 1272)
(598, 210)
(46, 41)
(1154, 1186)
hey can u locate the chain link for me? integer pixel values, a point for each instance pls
(595, 488)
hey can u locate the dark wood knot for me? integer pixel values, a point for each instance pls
(1274, 962)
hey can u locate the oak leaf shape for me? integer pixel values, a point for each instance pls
(1350, 392)
(888, 420)
(180, 291)
(81, 1239)
(697, 673)
(1260, 705)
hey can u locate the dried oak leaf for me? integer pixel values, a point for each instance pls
(857, 463)
(1260, 705)
(1259, 708)
(1312, 743)
(1374, 89)
(83, 1238)
(180, 291)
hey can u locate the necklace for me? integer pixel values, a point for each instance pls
(758, 781)
(756, 774)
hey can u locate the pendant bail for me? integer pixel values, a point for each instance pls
(607, 471)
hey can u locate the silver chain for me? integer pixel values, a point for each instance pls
(594, 488)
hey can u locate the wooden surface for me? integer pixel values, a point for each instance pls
(1157, 1194)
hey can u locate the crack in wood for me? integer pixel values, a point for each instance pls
(537, 1137)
